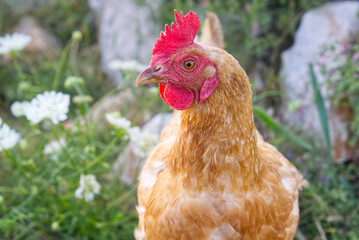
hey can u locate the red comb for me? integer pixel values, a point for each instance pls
(180, 36)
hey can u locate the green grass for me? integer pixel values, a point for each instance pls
(331, 200)
(319, 100)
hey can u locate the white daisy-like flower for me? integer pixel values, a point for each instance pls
(54, 148)
(131, 66)
(117, 121)
(13, 42)
(8, 137)
(142, 142)
(49, 105)
(17, 108)
(89, 186)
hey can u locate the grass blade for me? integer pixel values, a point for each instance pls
(319, 101)
(274, 125)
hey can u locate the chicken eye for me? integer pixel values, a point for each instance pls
(189, 64)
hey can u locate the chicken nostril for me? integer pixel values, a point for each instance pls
(157, 68)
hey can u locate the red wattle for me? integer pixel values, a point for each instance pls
(161, 89)
(176, 96)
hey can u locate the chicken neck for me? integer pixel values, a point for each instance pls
(216, 146)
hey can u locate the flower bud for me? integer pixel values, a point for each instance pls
(106, 166)
(90, 149)
(73, 81)
(293, 106)
(24, 86)
(76, 36)
(82, 99)
(55, 226)
(23, 144)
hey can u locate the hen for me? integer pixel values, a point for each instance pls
(211, 177)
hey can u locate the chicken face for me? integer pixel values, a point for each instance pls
(183, 78)
(180, 66)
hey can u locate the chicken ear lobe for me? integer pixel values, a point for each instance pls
(207, 88)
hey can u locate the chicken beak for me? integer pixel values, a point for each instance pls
(149, 75)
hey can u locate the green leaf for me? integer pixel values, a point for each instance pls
(275, 126)
(318, 97)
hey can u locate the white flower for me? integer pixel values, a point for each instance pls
(117, 121)
(131, 66)
(89, 186)
(52, 105)
(14, 42)
(54, 148)
(8, 137)
(142, 141)
(17, 108)
(135, 133)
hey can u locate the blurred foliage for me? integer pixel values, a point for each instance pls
(255, 30)
(37, 194)
(61, 18)
(322, 111)
(40, 73)
(331, 200)
(339, 63)
(274, 125)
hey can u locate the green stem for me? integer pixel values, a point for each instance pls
(18, 68)
(95, 161)
(57, 137)
(12, 190)
(81, 93)
(73, 56)
(16, 210)
(62, 63)
(15, 162)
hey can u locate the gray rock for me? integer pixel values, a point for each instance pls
(329, 24)
(157, 123)
(21, 6)
(126, 31)
(128, 165)
(42, 40)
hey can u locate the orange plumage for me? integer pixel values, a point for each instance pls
(211, 176)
